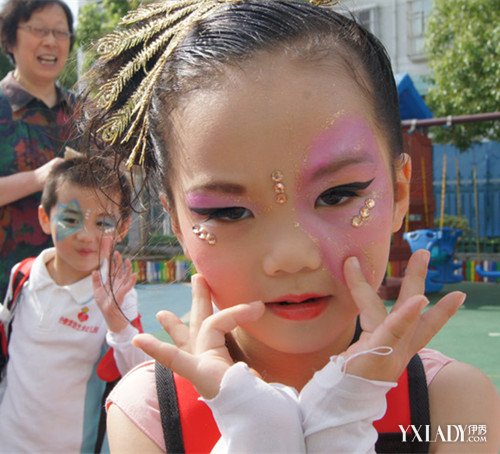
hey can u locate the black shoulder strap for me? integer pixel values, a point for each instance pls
(386, 443)
(419, 412)
(169, 410)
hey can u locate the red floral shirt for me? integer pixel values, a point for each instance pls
(31, 134)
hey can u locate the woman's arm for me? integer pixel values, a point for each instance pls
(462, 398)
(19, 185)
(125, 437)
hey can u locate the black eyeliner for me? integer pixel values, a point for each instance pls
(357, 185)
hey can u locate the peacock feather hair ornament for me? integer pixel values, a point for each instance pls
(158, 28)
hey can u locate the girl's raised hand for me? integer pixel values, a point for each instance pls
(406, 329)
(200, 353)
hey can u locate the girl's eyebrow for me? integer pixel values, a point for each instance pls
(219, 186)
(336, 165)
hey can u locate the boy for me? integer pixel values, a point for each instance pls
(67, 316)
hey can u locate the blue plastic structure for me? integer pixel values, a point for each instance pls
(441, 244)
(489, 274)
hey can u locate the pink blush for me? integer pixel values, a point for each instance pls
(348, 139)
(346, 152)
(202, 200)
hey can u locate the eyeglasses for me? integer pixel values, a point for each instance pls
(42, 32)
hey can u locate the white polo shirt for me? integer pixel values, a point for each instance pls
(52, 396)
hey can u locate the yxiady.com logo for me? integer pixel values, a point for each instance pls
(450, 433)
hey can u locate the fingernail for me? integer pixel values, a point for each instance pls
(462, 298)
(354, 262)
(426, 256)
(424, 302)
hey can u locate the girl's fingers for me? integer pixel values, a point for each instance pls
(372, 310)
(169, 355)
(177, 330)
(437, 316)
(414, 280)
(396, 331)
(401, 324)
(201, 308)
(213, 330)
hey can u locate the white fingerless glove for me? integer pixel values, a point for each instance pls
(254, 416)
(338, 410)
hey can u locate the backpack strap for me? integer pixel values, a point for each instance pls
(108, 372)
(19, 278)
(169, 410)
(107, 369)
(413, 409)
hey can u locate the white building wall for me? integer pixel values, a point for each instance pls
(399, 24)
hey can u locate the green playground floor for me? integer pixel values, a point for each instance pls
(473, 333)
(471, 336)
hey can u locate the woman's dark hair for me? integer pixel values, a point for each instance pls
(88, 173)
(16, 11)
(232, 34)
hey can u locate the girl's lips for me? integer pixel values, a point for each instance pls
(299, 308)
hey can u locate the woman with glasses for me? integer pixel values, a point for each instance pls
(37, 36)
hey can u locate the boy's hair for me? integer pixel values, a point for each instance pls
(87, 173)
(16, 11)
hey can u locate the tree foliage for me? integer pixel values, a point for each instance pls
(5, 65)
(95, 19)
(463, 47)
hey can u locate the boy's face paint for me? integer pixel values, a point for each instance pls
(70, 219)
(317, 130)
(78, 223)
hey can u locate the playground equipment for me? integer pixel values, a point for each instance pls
(489, 274)
(441, 244)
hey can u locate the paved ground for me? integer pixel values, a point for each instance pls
(472, 335)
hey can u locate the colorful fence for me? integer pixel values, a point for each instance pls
(177, 269)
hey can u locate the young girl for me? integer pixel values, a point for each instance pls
(273, 129)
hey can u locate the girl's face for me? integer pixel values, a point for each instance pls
(284, 176)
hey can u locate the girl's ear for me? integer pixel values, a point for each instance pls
(174, 222)
(401, 191)
(44, 220)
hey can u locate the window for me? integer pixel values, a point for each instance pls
(418, 12)
(368, 18)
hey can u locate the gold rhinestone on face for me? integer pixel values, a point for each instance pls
(277, 176)
(279, 187)
(364, 213)
(356, 221)
(202, 234)
(369, 203)
(280, 198)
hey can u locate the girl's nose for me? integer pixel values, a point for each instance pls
(292, 251)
